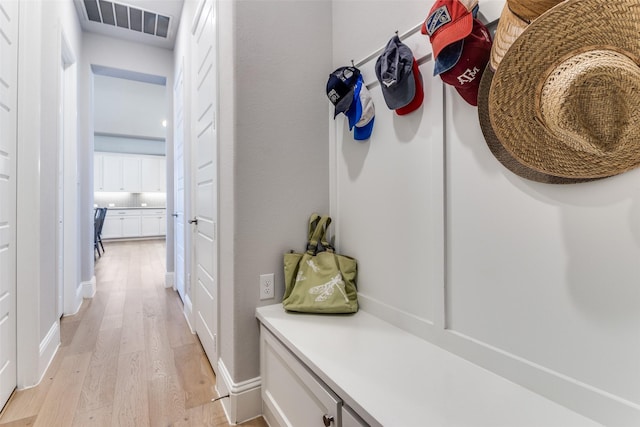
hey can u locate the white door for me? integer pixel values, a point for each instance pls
(205, 183)
(178, 176)
(8, 137)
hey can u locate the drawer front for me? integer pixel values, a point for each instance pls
(294, 397)
(154, 212)
(113, 212)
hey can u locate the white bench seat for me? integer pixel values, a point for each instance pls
(392, 378)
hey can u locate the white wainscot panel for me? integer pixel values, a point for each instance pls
(384, 206)
(547, 273)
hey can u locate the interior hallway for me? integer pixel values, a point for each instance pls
(127, 358)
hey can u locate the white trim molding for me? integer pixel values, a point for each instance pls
(89, 288)
(188, 313)
(168, 280)
(48, 348)
(245, 400)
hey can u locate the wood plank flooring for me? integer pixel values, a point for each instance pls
(127, 358)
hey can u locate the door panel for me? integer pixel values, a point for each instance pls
(8, 123)
(206, 245)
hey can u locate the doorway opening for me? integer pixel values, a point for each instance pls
(131, 112)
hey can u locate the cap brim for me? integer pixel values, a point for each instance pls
(418, 98)
(344, 104)
(364, 132)
(448, 58)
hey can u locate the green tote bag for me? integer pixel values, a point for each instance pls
(320, 280)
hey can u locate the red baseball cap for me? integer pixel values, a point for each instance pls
(448, 21)
(465, 75)
(418, 97)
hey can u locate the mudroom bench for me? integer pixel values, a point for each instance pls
(357, 370)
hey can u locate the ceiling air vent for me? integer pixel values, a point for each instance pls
(125, 16)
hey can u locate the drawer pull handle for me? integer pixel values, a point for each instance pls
(327, 419)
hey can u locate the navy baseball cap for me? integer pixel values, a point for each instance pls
(340, 88)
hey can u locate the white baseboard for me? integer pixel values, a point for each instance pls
(188, 313)
(168, 280)
(48, 348)
(245, 400)
(89, 288)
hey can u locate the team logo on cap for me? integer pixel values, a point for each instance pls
(468, 76)
(333, 96)
(437, 19)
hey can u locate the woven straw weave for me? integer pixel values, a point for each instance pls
(565, 100)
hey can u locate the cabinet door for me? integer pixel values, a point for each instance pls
(153, 174)
(98, 172)
(112, 173)
(291, 394)
(131, 226)
(149, 225)
(112, 228)
(131, 174)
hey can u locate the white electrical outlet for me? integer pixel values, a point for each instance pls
(266, 286)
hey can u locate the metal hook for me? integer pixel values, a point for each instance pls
(396, 32)
(352, 64)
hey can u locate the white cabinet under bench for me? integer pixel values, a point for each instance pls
(357, 370)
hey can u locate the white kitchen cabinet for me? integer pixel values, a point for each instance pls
(131, 174)
(153, 222)
(121, 223)
(98, 172)
(112, 173)
(121, 173)
(111, 228)
(153, 174)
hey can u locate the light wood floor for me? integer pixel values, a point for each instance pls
(127, 358)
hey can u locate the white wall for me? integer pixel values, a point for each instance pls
(272, 158)
(129, 108)
(537, 282)
(280, 163)
(37, 171)
(123, 55)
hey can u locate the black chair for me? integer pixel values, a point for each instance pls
(98, 222)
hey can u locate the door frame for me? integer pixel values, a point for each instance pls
(180, 105)
(68, 154)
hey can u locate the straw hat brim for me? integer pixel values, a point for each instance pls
(496, 147)
(571, 27)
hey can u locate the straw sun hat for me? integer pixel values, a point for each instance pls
(565, 98)
(510, 27)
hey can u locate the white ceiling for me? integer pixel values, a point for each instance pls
(113, 11)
